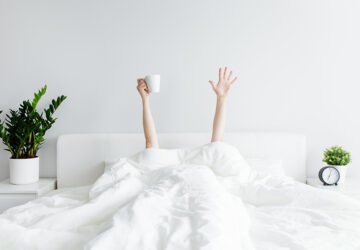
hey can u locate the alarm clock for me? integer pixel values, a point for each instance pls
(329, 175)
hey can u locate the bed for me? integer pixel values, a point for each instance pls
(201, 197)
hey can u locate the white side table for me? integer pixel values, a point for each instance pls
(13, 195)
(351, 186)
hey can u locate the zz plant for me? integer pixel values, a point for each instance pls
(336, 155)
(23, 130)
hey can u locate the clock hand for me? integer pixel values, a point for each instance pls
(329, 175)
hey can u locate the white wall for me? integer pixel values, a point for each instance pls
(298, 63)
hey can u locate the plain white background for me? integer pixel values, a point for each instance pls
(298, 64)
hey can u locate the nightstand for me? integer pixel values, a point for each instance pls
(351, 187)
(13, 195)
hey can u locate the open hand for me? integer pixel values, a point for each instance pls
(223, 86)
(142, 88)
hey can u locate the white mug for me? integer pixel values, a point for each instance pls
(153, 83)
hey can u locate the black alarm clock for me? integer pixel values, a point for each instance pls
(329, 175)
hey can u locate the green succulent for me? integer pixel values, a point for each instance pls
(23, 130)
(336, 155)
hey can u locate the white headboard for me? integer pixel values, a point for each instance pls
(80, 157)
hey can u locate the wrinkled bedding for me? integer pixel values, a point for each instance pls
(200, 199)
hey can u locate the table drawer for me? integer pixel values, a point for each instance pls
(11, 200)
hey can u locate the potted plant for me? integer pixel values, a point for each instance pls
(23, 132)
(337, 157)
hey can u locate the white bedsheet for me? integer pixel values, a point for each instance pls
(204, 198)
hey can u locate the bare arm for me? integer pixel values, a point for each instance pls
(148, 122)
(221, 90)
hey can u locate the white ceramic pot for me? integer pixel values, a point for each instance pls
(24, 171)
(342, 170)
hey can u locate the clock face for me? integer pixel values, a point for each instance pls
(329, 175)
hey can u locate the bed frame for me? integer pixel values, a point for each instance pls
(81, 157)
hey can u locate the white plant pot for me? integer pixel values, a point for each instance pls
(24, 171)
(342, 170)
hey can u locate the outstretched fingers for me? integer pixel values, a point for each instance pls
(224, 75)
(229, 75)
(212, 84)
(225, 72)
(234, 80)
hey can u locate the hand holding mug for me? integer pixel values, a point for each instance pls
(142, 88)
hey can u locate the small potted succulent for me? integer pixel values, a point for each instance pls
(337, 157)
(23, 132)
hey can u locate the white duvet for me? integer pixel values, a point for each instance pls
(188, 199)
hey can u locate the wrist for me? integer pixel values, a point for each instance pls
(221, 98)
(145, 99)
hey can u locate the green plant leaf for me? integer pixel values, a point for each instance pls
(23, 130)
(37, 96)
(336, 155)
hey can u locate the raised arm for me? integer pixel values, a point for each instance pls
(148, 122)
(221, 90)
